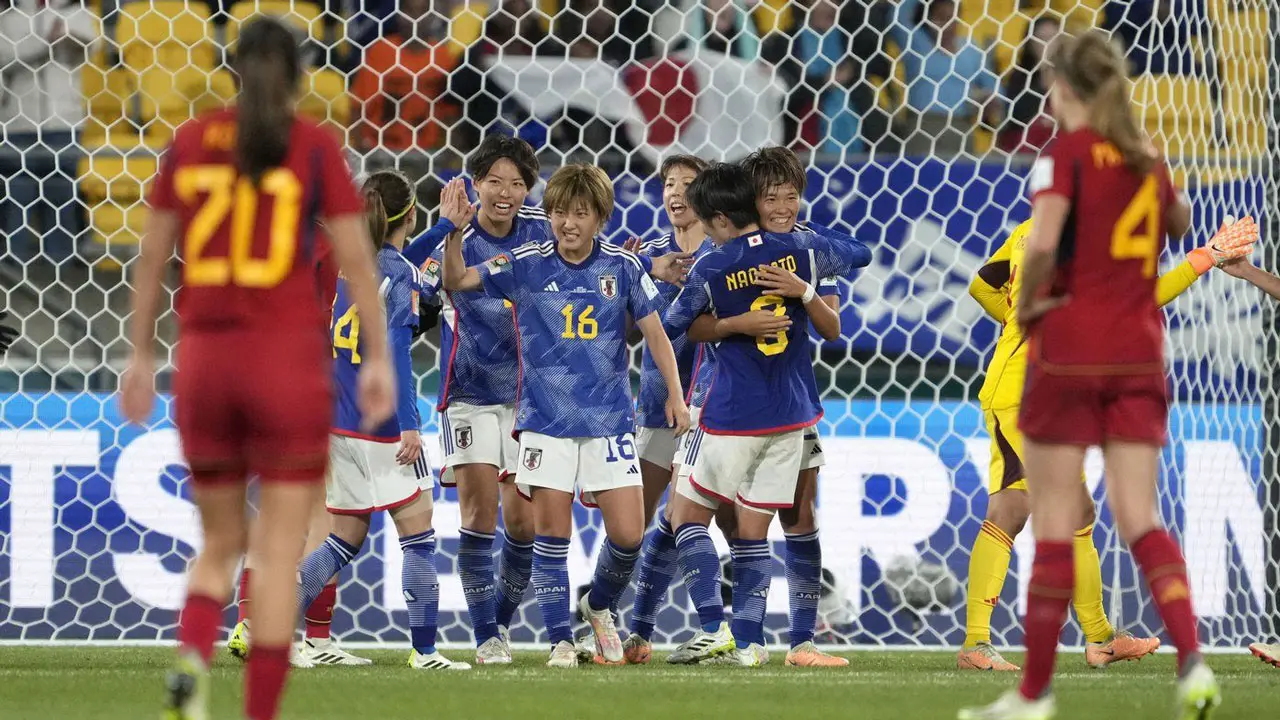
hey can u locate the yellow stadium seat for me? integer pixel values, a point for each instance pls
(325, 98)
(168, 48)
(107, 91)
(113, 186)
(304, 16)
(467, 25)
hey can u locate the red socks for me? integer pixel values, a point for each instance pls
(199, 625)
(1052, 580)
(1166, 572)
(319, 616)
(242, 608)
(264, 681)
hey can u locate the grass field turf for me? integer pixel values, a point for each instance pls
(44, 683)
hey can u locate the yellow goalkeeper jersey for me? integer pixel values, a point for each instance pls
(1007, 371)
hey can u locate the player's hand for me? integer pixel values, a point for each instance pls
(7, 334)
(410, 447)
(632, 244)
(782, 282)
(1029, 313)
(1238, 268)
(454, 204)
(376, 392)
(677, 415)
(758, 323)
(138, 390)
(1234, 240)
(673, 267)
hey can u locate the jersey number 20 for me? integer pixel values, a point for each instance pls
(771, 344)
(1136, 235)
(228, 195)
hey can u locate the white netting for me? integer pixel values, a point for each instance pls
(907, 147)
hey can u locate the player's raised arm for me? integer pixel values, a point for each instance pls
(456, 276)
(456, 211)
(1232, 242)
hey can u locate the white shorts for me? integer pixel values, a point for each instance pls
(364, 477)
(589, 465)
(478, 434)
(682, 448)
(812, 457)
(658, 445)
(757, 471)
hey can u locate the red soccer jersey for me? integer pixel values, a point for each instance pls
(250, 255)
(1107, 261)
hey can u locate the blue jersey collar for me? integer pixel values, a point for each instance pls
(514, 234)
(591, 256)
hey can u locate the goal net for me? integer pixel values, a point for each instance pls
(920, 152)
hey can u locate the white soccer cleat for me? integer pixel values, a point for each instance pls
(297, 660)
(563, 655)
(1012, 706)
(585, 645)
(703, 646)
(493, 652)
(187, 687)
(1198, 693)
(608, 644)
(238, 643)
(324, 651)
(753, 656)
(434, 661)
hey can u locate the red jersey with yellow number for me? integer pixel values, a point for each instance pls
(250, 255)
(1107, 260)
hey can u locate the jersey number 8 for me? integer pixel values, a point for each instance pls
(237, 197)
(771, 344)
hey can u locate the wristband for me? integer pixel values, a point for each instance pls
(810, 292)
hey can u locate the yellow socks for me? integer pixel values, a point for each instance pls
(1087, 598)
(988, 566)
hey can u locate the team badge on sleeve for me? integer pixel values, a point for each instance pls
(609, 286)
(498, 263)
(532, 458)
(462, 437)
(431, 268)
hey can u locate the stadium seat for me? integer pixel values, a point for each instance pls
(113, 187)
(325, 98)
(108, 90)
(304, 16)
(166, 45)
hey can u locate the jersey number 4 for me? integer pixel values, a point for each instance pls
(346, 334)
(1136, 235)
(228, 195)
(771, 344)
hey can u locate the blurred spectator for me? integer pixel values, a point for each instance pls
(1162, 36)
(43, 46)
(400, 91)
(723, 26)
(1029, 127)
(611, 30)
(949, 85)
(513, 28)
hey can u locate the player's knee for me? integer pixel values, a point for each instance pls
(517, 521)
(799, 519)
(1009, 510)
(226, 545)
(727, 520)
(479, 517)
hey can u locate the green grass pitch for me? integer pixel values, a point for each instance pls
(44, 683)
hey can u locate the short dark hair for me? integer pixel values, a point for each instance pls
(773, 166)
(692, 162)
(496, 147)
(724, 189)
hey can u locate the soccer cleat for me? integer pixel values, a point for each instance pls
(324, 651)
(238, 644)
(299, 661)
(637, 650)
(434, 661)
(1198, 693)
(1012, 706)
(1122, 646)
(1267, 653)
(493, 652)
(703, 646)
(983, 657)
(608, 644)
(806, 654)
(563, 655)
(753, 656)
(187, 688)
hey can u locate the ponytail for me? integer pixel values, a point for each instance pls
(1111, 115)
(375, 215)
(268, 67)
(1095, 69)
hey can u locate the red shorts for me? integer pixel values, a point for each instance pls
(1092, 409)
(253, 403)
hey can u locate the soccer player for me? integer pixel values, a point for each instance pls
(571, 300)
(385, 469)
(996, 288)
(1102, 201)
(244, 188)
(738, 456)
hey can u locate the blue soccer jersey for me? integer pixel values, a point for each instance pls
(651, 407)
(571, 321)
(401, 288)
(478, 354)
(765, 385)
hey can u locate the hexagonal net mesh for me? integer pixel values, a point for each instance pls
(917, 121)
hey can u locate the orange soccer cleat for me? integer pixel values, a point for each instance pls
(1267, 653)
(1122, 646)
(983, 657)
(807, 654)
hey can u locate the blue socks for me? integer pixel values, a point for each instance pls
(700, 568)
(551, 585)
(612, 575)
(804, 582)
(323, 563)
(475, 567)
(421, 589)
(657, 567)
(752, 570)
(513, 577)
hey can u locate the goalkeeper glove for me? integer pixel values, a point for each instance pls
(7, 334)
(1234, 240)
